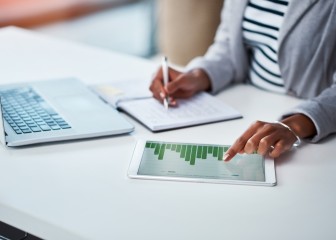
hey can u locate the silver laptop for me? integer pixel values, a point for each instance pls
(55, 110)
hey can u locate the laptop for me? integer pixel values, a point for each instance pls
(55, 110)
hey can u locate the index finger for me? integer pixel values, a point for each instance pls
(236, 148)
(239, 144)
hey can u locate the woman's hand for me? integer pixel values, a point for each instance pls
(181, 85)
(272, 138)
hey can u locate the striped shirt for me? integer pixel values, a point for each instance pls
(261, 25)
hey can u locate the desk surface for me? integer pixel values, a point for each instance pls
(79, 189)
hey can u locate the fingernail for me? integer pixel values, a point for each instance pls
(162, 95)
(225, 157)
(172, 102)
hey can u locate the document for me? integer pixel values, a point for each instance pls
(201, 109)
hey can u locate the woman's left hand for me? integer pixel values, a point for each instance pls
(272, 138)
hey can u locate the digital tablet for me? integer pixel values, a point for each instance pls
(190, 162)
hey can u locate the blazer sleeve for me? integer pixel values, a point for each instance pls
(216, 62)
(321, 110)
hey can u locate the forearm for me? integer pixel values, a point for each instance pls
(322, 112)
(202, 80)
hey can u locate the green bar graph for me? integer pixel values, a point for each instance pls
(210, 149)
(160, 158)
(215, 152)
(193, 155)
(199, 152)
(187, 158)
(183, 151)
(204, 152)
(162, 150)
(157, 149)
(187, 152)
(220, 153)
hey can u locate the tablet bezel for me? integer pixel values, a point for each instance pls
(270, 175)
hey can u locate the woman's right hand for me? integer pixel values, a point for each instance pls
(180, 85)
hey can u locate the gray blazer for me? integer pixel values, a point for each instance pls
(307, 57)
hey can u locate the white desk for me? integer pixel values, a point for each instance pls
(79, 189)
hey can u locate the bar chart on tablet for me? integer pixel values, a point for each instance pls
(199, 161)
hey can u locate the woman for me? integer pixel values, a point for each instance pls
(287, 47)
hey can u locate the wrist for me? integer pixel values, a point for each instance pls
(204, 80)
(298, 139)
(301, 125)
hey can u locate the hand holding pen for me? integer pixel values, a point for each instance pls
(177, 84)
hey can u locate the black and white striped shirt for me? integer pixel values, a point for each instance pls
(261, 24)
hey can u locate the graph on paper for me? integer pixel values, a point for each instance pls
(199, 161)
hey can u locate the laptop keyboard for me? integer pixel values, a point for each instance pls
(27, 112)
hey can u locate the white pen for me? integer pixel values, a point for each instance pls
(165, 80)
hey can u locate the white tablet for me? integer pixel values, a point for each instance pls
(176, 161)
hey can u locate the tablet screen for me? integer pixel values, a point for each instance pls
(171, 159)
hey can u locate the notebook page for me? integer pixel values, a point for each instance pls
(200, 109)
